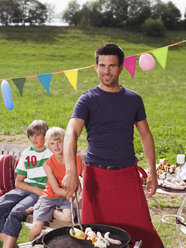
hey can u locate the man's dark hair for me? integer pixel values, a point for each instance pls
(110, 49)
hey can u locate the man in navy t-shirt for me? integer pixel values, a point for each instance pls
(112, 192)
(109, 120)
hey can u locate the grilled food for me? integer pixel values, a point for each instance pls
(78, 234)
(112, 241)
(96, 241)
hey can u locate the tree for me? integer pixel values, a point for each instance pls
(37, 13)
(138, 12)
(97, 13)
(158, 9)
(22, 11)
(172, 16)
(168, 12)
(154, 27)
(90, 14)
(121, 13)
(114, 12)
(71, 15)
(8, 11)
(51, 12)
(32, 11)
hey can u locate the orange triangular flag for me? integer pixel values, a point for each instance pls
(161, 55)
(72, 77)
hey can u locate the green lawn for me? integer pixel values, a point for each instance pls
(28, 51)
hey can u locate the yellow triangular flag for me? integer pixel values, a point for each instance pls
(72, 77)
(161, 55)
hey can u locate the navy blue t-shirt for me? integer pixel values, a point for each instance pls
(109, 122)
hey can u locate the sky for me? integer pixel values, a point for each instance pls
(61, 5)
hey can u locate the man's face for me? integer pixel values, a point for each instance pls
(108, 70)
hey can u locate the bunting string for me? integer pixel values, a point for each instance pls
(171, 45)
(129, 62)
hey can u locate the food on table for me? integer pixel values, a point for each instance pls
(173, 183)
(78, 234)
(164, 169)
(168, 176)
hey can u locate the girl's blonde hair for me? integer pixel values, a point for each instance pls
(54, 133)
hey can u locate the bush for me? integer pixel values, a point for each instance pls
(154, 27)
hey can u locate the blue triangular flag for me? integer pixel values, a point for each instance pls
(45, 79)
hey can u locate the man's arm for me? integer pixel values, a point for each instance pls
(71, 181)
(149, 151)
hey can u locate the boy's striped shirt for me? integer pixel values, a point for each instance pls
(31, 166)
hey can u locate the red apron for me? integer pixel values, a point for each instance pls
(116, 197)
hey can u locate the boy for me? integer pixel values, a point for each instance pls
(30, 182)
(52, 202)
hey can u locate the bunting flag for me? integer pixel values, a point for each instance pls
(72, 76)
(45, 79)
(130, 64)
(161, 55)
(19, 82)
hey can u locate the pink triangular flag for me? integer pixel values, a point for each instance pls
(130, 64)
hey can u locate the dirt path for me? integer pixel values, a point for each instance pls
(20, 139)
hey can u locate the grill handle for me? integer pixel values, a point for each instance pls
(36, 241)
(137, 244)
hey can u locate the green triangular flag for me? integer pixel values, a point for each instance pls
(161, 55)
(19, 82)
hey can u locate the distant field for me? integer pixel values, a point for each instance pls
(27, 51)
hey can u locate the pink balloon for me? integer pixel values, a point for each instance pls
(146, 62)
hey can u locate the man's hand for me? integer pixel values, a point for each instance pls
(70, 183)
(151, 185)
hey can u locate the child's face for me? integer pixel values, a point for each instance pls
(56, 146)
(38, 141)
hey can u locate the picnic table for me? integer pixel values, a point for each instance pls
(165, 217)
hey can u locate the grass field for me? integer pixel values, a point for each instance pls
(39, 50)
(28, 51)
